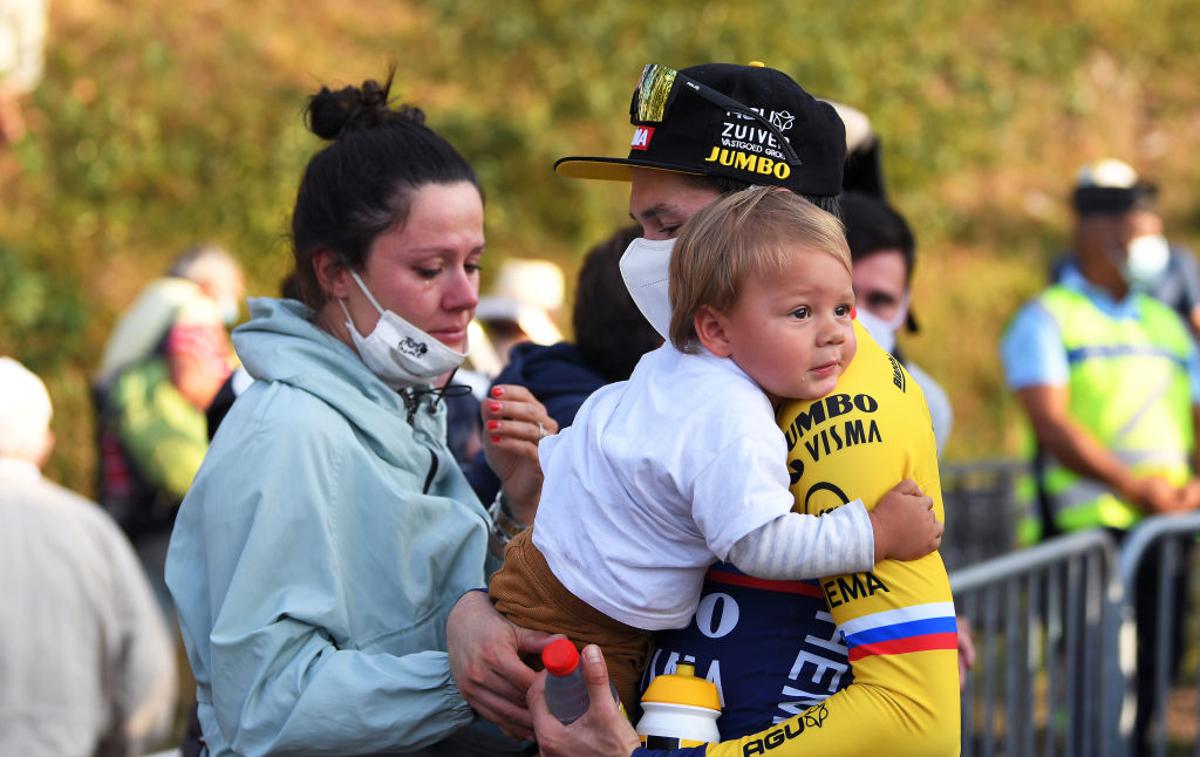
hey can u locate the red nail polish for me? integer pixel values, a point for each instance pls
(853, 313)
(493, 425)
(497, 391)
(494, 407)
(495, 440)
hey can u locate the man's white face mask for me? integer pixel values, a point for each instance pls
(1146, 260)
(880, 330)
(398, 352)
(644, 268)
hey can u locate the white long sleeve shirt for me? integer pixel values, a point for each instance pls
(660, 476)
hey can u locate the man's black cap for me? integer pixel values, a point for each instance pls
(697, 136)
(1111, 187)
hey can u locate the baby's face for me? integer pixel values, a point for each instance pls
(792, 333)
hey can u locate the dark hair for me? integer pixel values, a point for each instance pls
(361, 184)
(610, 332)
(873, 226)
(724, 185)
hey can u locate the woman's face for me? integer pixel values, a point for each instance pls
(427, 271)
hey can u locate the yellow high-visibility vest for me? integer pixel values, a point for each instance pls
(1128, 386)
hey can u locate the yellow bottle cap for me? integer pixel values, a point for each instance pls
(757, 64)
(683, 687)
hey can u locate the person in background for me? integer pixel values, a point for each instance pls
(166, 360)
(521, 307)
(328, 532)
(611, 335)
(22, 59)
(863, 171)
(884, 253)
(1109, 380)
(86, 664)
(240, 380)
(1167, 272)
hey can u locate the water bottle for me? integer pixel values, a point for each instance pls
(566, 691)
(680, 710)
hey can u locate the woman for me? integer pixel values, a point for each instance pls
(329, 531)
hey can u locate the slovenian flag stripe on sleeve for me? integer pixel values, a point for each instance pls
(917, 628)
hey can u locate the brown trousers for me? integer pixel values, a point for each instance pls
(527, 592)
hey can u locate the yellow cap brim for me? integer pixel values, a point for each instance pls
(611, 169)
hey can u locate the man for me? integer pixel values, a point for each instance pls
(691, 144)
(884, 253)
(86, 666)
(1167, 272)
(1110, 380)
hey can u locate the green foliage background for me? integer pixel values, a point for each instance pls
(163, 122)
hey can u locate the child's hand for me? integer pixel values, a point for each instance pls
(905, 527)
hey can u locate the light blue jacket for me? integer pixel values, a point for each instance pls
(318, 553)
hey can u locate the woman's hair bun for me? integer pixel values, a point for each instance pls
(331, 114)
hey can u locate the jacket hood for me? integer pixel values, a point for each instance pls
(282, 343)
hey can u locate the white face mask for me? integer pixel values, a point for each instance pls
(644, 268)
(880, 330)
(398, 352)
(1146, 259)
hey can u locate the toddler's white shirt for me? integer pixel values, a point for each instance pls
(656, 478)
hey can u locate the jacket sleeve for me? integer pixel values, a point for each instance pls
(287, 671)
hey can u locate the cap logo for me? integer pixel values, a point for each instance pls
(782, 120)
(743, 161)
(641, 138)
(742, 133)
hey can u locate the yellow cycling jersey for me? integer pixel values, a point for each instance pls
(897, 620)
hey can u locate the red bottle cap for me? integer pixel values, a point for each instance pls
(560, 657)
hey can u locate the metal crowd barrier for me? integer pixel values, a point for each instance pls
(1162, 546)
(1042, 620)
(981, 510)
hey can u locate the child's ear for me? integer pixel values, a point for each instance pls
(709, 324)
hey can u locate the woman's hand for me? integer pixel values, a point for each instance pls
(603, 731)
(484, 651)
(513, 424)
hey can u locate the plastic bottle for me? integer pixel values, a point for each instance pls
(566, 691)
(680, 710)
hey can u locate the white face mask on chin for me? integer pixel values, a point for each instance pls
(396, 351)
(644, 268)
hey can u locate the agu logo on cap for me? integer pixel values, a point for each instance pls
(641, 138)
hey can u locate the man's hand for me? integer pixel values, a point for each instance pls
(484, 652)
(603, 731)
(966, 651)
(1190, 496)
(1154, 495)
